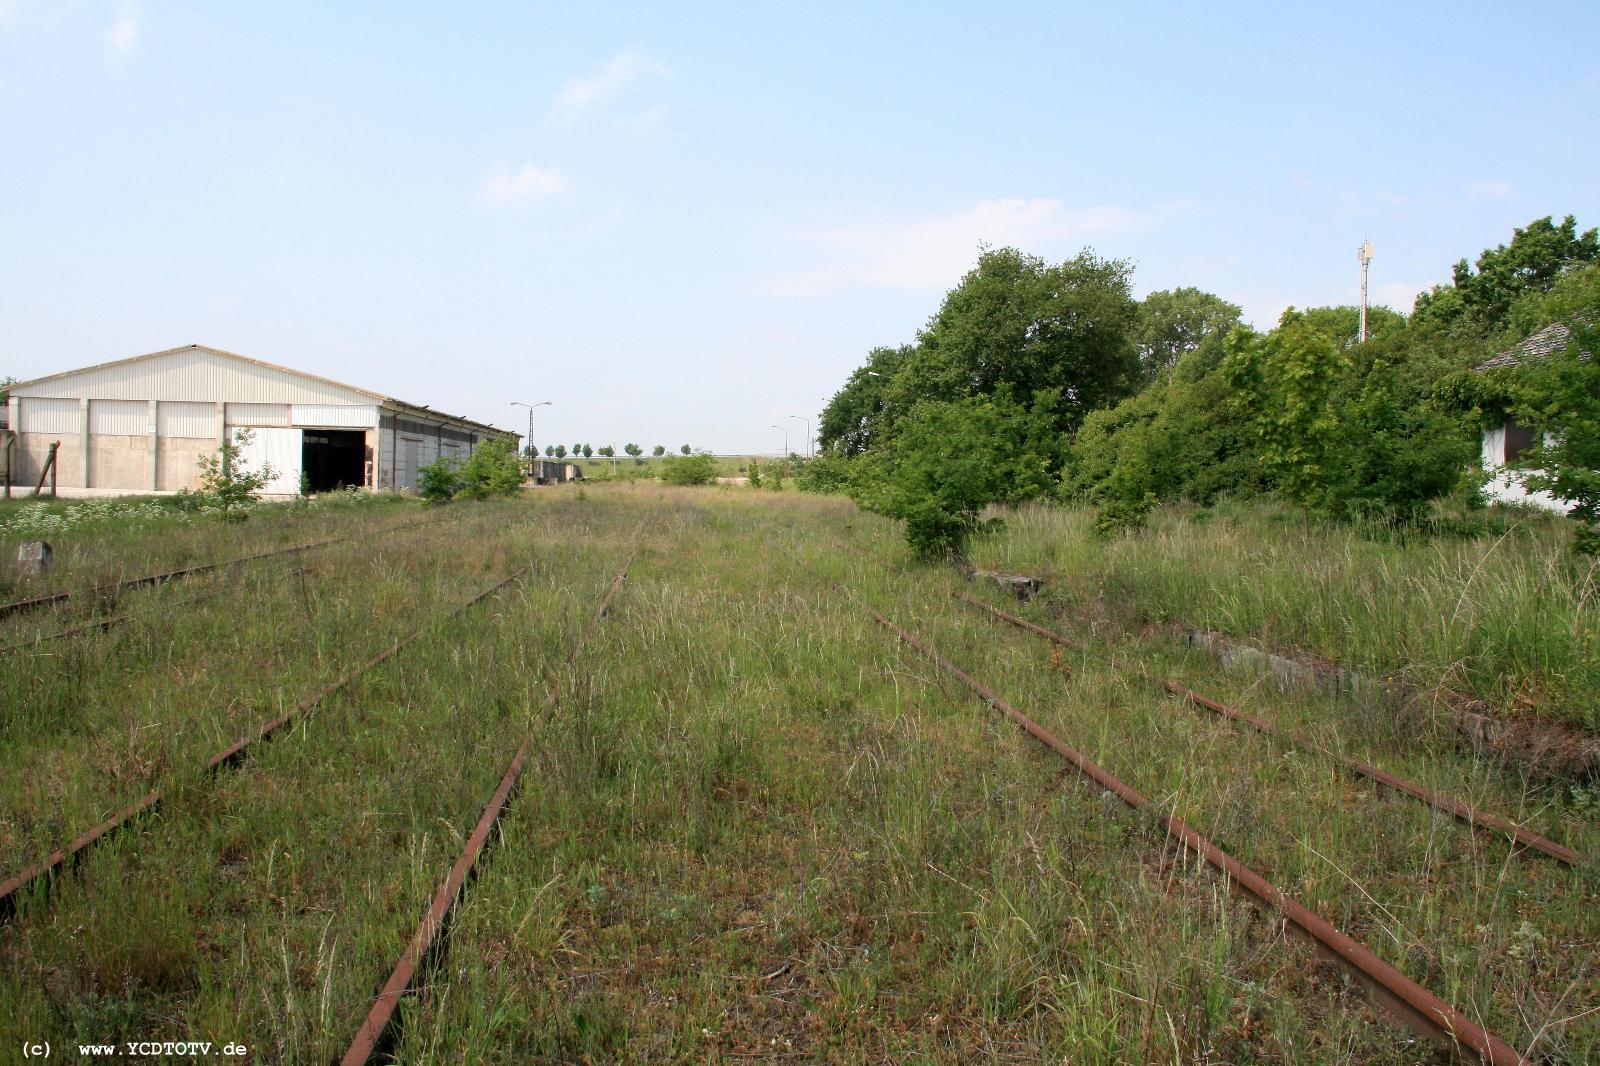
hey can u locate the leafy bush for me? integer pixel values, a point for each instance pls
(439, 481)
(697, 469)
(491, 470)
(828, 473)
(226, 484)
(949, 462)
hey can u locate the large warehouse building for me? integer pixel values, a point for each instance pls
(139, 426)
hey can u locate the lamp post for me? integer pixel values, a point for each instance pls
(807, 421)
(785, 430)
(533, 455)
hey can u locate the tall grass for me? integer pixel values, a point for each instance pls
(754, 825)
(1512, 619)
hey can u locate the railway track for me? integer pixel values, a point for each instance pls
(1406, 1000)
(377, 1030)
(106, 623)
(39, 873)
(116, 588)
(1524, 839)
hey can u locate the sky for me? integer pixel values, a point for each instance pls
(687, 223)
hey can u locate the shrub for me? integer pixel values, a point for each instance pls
(439, 481)
(697, 469)
(226, 484)
(491, 470)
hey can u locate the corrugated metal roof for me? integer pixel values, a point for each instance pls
(199, 372)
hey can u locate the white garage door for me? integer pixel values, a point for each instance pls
(281, 449)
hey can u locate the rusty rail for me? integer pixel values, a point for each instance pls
(117, 587)
(1414, 1005)
(376, 1029)
(123, 619)
(12, 887)
(1439, 801)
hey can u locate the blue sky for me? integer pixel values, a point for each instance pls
(683, 223)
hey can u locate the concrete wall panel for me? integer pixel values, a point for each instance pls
(119, 462)
(177, 465)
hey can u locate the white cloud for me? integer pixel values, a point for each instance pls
(1494, 190)
(604, 81)
(934, 252)
(502, 188)
(122, 36)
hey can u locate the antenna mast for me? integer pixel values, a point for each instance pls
(1364, 253)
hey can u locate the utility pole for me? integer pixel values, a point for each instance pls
(533, 456)
(1364, 253)
(810, 454)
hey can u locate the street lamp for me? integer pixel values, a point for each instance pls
(785, 447)
(807, 421)
(533, 455)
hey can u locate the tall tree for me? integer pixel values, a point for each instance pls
(1058, 339)
(1175, 321)
(1481, 300)
(1283, 384)
(855, 419)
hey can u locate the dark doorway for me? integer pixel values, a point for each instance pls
(333, 458)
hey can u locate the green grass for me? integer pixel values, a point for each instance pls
(753, 826)
(1513, 620)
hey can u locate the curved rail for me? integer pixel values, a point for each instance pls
(1414, 1005)
(376, 1030)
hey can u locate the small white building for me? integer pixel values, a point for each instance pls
(1504, 444)
(139, 425)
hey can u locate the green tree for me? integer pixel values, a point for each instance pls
(1561, 396)
(491, 470)
(684, 449)
(561, 451)
(1176, 321)
(226, 482)
(550, 450)
(576, 450)
(755, 474)
(855, 418)
(1283, 385)
(1058, 339)
(1480, 301)
(659, 450)
(608, 451)
(949, 461)
(588, 452)
(1342, 324)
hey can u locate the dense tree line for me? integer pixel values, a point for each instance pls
(1038, 380)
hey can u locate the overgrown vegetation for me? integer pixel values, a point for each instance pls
(756, 825)
(697, 469)
(492, 469)
(227, 484)
(1130, 404)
